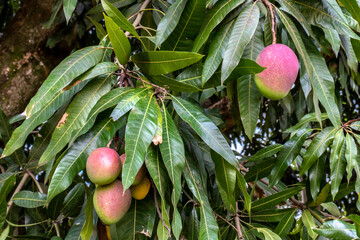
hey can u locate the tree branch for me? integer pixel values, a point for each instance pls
(19, 187)
(139, 15)
(35, 180)
(237, 223)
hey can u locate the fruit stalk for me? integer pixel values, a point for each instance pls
(273, 20)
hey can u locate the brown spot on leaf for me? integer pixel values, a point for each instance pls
(71, 85)
(62, 120)
(157, 139)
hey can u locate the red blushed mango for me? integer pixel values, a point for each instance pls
(110, 203)
(141, 173)
(282, 67)
(103, 166)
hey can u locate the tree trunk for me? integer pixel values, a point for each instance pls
(25, 61)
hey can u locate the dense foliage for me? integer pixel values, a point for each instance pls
(171, 84)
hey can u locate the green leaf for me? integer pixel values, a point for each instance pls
(172, 84)
(350, 155)
(350, 53)
(173, 155)
(332, 208)
(268, 234)
(100, 31)
(326, 14)
(305, 120)
(317, 148)
(216, 51)
(4, 177)
(99, 69)
(75, 230)
(117, 17)
(353, 7)
(140, 219)
(5, 233)
(69, 7)
(162, 232)
(241, 34)
(70, 68)
(344, 189)
(356, 219)
(194, 225)
(212, 19)
(272, 215)
(20, 133)
(188, 26)
(208, 225)
(28, 199)
(241, 182)
(55, 206)
(162, 62)
(333, 37)
(168, 23)
(157, 171)
(249, 99)
(140, 131)
(316, 175)
(6, 131)
(87, 228)
(265, 152)
(118, 40)
(226, 179)
(286, 224)
(74, 159)
(75, 116)
(260, 170)
(337, 229)
(74, 198)
(7, 184)
(205, 128)
(287, 155)
(276, 198)
(127, 102)
(309, 222)
(125, 98)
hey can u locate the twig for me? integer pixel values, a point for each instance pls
(2, 169)
(273, 20)
(57, 229)
(237, 223)
(230, 224)
(158, 211)
(35, 180)
(19, 187)
(350, 121)
(139, 15)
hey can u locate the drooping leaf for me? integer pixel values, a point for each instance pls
(216, 52)
(75, 116)
(118, 40)
(316, 175)
(138, 221)
(337, 229)
(187, 27)
(168, 23)
(317, 148)
(286, 223)
(74, 159)
(7, 184)
(173, 154)
(87, 228)
(28, 199)
(208, 225)
(100, 31)
(241, 34)
(74, 198)
(212, 19)
(353, 7)
(226, 179)
(309, 222)
(162, 62)
(70, 68)
(118, 18)
(69, 7)
(272, 200)
(287, 155)
(140, 131)
(241, 182)
(350, 155)
(333, 37)
(205, 128)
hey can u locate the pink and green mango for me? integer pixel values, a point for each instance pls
(103, 166)
(282, 67)
(110, 203)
